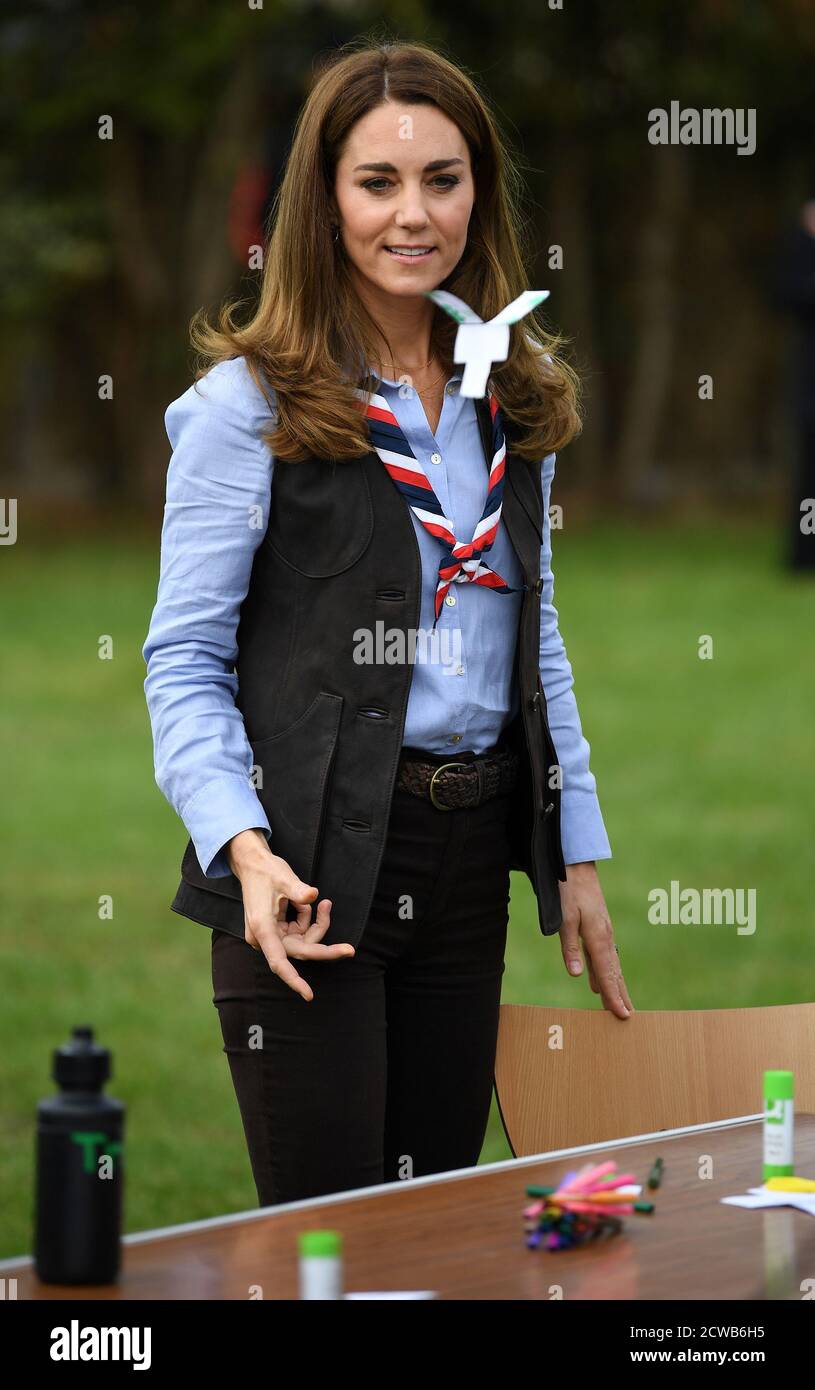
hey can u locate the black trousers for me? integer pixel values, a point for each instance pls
(388, 1072)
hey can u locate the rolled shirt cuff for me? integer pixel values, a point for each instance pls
(218, 811)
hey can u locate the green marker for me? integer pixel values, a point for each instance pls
(778, 1125)
(655, 1175)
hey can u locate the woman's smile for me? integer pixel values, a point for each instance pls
(408, 255)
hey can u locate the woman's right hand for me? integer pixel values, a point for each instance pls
(268, 885)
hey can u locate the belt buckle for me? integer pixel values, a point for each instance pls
(432, 790)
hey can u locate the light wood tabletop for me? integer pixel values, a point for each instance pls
(461, 1234)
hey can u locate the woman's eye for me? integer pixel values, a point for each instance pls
(444, 181)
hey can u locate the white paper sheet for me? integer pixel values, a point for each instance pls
(771, 1197)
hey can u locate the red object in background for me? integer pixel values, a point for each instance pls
(246, 204)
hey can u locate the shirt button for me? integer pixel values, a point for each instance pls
(450, 388)
(435, 458)
(455, 738)
(459, 670)
(451, 600)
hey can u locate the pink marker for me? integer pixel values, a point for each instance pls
(581, 1182)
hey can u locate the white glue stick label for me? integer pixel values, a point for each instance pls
(778, 1132)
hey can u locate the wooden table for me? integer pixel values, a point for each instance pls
(461, 1234)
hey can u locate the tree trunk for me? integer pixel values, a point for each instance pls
(571, 228)
(653, 325)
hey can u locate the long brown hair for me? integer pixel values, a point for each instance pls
(309, 322)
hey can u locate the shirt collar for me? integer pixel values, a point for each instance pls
(388, 381)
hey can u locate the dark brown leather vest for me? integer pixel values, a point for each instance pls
(340, 554)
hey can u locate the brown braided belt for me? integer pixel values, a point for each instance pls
(455, 785)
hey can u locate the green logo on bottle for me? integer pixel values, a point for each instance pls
(89, 1142)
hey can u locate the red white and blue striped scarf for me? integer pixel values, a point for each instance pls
(462, 561)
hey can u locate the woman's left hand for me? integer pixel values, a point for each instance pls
(585, 917)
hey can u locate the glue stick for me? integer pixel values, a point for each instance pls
(778, 1124)
(320, 1264)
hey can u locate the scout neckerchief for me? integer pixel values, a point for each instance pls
(462, 561)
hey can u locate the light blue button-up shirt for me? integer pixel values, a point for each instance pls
(219, 491)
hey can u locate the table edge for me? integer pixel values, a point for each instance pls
(391, 1189)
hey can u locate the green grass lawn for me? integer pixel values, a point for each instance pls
(704, 770)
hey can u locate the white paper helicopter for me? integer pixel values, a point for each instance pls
(478, 344)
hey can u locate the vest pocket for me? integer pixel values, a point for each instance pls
(293, 788)
(296, 768)
(322, 517)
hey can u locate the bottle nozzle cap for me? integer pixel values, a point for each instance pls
(81, 1064)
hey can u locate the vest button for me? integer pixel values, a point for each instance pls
(547, 810)
(534, 700)
(539, 587)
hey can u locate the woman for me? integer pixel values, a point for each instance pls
(311, 728)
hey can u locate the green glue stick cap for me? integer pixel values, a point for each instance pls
(778, 1085)
(325, 1243)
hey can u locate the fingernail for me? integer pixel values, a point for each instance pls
(574, 967)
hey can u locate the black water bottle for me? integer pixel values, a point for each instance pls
(80, 1169)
